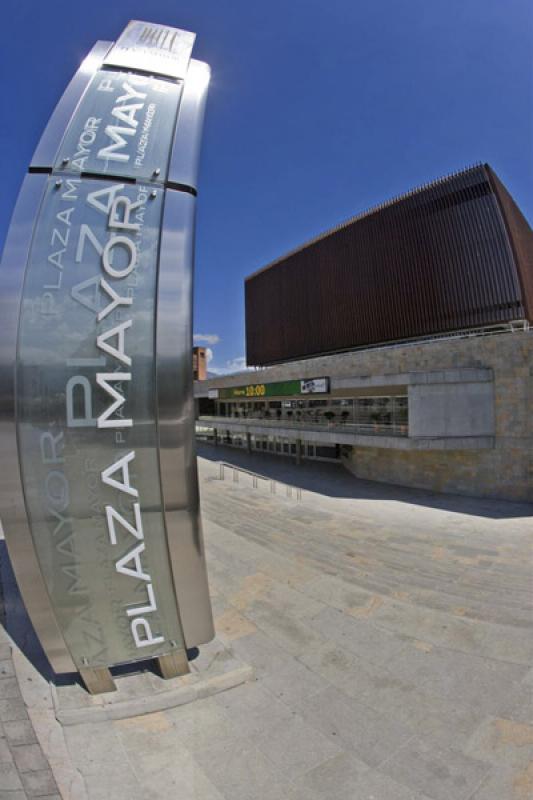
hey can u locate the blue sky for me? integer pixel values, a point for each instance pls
(316, 112)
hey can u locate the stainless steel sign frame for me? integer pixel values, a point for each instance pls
(99, 487)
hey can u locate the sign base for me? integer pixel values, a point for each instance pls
(173, 665)
(98, 681)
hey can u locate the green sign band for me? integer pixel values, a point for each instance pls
(280, 389)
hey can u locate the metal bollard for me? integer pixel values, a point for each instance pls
(235, 475)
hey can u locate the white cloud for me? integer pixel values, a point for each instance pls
(237, 364)
(232, 365)
(208, 354)
(206, 338)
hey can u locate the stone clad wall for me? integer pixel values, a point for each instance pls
(499, 473)
(506, 471)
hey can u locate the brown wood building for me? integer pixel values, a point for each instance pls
(454, 255)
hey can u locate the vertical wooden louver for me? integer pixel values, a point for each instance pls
(454, 255)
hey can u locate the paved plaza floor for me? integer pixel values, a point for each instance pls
(390, 632)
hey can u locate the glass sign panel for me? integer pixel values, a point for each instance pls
(123, 126)
(86, 420)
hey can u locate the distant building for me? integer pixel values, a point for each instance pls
(399, 344)
(199, 363)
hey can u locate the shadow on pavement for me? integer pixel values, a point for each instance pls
(15, 620)
(333, 480)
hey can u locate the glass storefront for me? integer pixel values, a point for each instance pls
(379, 414)
(275, 445)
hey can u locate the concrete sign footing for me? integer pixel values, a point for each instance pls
(215, 670)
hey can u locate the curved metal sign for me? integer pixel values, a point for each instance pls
(102, 520)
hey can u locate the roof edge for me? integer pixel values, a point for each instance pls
(367, 213)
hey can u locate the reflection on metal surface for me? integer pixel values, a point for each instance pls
(48, 146)
(183, 169)
(16, 530)
(176, 417)
(97, 279)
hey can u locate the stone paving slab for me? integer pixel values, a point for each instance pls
(440, 773)
(425, 629)
(24, 769)
(389, 639)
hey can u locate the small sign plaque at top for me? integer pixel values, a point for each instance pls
(152, 48)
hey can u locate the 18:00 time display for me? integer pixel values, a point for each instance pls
(259, 390)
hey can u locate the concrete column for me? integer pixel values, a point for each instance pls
(248, 442)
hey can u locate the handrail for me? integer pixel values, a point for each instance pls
(256, 477)
(371, 428)
(241, 469)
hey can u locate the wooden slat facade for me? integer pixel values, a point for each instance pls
(454, 255)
